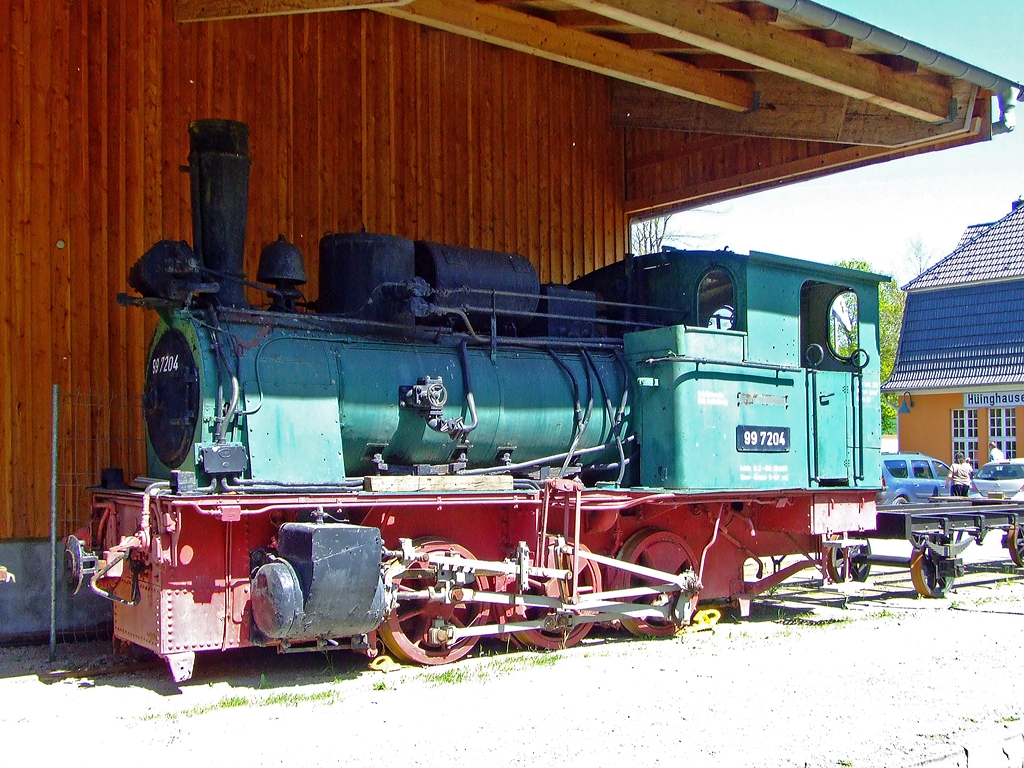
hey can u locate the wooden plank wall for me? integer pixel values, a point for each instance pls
(357, 120)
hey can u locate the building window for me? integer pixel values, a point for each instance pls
(1002, 430)
(965, 434)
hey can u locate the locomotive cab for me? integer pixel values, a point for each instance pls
(766, 385)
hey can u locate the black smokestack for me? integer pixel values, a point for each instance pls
(219, 167)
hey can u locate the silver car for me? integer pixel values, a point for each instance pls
(998, 480)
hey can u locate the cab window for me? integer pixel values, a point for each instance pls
(843, 326)
(716, 301)
(830, 327)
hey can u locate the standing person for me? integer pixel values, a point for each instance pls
(994, 454)
(959, 478)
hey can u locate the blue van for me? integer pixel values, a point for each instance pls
(912, 478)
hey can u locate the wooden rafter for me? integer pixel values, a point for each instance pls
(790, 110)
(724, 31)
(639, 41)
(529, 34)
(209, 10)
(843, 157)
(645, 41)
(584, 20)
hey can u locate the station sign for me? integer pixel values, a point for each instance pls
(1008, 398)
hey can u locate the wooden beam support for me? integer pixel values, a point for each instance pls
(211, 10)
(789, 110)
(754, 11)
(827, 37)
(714, 61)
(585, 20)
(648, 42)
(539, 37)
(772, 176)
(720, 30)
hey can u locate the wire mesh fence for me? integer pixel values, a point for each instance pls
(94, 432)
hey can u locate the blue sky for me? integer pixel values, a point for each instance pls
(873, 213)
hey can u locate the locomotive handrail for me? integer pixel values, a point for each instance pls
(314, 324)
(523, 313)
(698, 361)
(578, 299)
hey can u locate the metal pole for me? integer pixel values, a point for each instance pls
(53, 525)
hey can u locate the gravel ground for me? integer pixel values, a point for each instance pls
(816, 677)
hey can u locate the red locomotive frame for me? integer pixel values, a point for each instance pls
(178, 567)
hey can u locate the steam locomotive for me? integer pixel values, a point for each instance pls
(441, 449)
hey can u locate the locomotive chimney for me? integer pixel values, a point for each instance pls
(219, 169)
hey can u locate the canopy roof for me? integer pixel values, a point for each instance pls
(808, 90)
(713, 52)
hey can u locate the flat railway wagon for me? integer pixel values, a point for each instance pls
(440, 449)
(938, 533)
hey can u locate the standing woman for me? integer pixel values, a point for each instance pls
(959, 478)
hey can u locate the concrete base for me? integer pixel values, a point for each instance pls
(25, 603)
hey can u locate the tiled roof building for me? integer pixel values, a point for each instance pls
(963, 332)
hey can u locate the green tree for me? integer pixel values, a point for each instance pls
(891, 301)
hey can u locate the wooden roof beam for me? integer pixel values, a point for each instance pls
(720, 30)
(828, 37)
(539, 37)
(648, 42)
(585, 20)
(211, 10)
(790, 110)
(754, 11)
(713, 61)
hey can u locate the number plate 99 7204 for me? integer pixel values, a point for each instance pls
(762, 439)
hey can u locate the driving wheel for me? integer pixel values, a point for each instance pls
(662, 551)
(406, 631)
(588, 581)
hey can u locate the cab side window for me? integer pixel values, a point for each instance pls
(830, 327)
(716, 301)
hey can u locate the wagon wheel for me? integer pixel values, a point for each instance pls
(1015, 543)
(662, 551)
(836, 563)
(589, 582)
(406, 630)
(924, 573)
